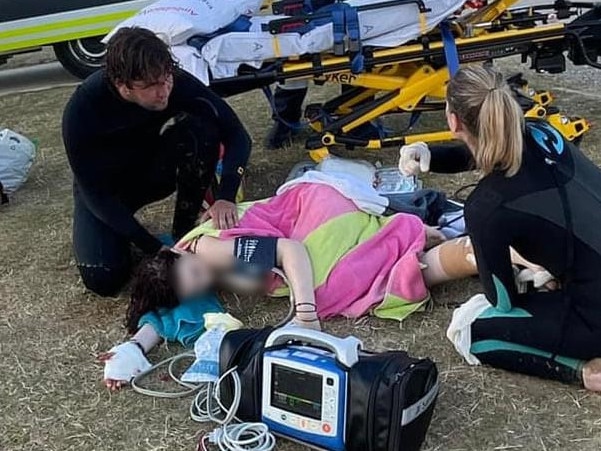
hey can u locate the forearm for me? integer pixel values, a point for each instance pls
(237, 152)
(294, 260)
(147, 337)
(236, 142)
(119, 218)
(450, 158)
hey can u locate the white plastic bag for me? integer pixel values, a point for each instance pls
(175, 21)
(206, 366)
(16, 157)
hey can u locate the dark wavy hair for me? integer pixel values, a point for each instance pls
(137, 54)
(153, 288)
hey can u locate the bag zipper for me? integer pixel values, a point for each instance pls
(258, 370)
(399, 383)
(373, 391)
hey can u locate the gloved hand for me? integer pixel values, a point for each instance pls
(122, 363)
(414, 158)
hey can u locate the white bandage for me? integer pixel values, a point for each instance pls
(414, 158)
(538, 278)
(127, 362)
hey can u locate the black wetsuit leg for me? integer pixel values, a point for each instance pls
(527, 339)
(183, 159)
(102, 255)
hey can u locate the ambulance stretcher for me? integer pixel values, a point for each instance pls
(411, 79)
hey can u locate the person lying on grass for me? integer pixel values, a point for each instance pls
(539, 194)
(338, 260)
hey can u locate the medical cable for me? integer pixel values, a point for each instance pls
(232, 434)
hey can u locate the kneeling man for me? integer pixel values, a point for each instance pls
(135, 132)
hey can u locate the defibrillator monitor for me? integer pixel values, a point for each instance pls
(304, 396)
(297, 391)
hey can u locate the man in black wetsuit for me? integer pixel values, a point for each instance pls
(539, 195)
(135, 132)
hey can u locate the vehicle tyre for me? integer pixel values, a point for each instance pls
(81, 57)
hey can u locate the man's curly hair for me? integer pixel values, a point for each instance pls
(153, 288)
(137, 54)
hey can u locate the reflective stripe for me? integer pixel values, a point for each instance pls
(276, 47)
(423, 23)
(42, 30)
(485, 346)
(64, 35)
(130, 7)
(416, 409)
(60, 26)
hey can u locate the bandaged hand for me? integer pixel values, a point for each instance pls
(414, 159)
(122, 363)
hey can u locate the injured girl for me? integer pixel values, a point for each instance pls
(338, 259)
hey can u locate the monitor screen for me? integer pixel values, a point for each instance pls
(296, 391)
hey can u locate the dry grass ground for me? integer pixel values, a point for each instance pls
(51, 329)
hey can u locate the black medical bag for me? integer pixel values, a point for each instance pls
(391, 396)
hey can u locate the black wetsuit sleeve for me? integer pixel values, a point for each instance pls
(450, 158)
(491, 239)
(117, 216)
(194, 98)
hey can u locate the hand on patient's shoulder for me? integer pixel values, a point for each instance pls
(121, 363)
(414, 159)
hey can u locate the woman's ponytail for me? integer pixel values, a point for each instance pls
(486, 107)
(500, 132)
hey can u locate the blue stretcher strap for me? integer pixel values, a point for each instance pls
(271, 99)
(338, 28)
(414, 119)
(351, 17)
(241, 24)
(450, 48)
(358, 64)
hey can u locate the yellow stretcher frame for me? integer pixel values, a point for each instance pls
(405, 77)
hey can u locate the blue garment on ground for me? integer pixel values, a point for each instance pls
(166, 239)
(184, 323)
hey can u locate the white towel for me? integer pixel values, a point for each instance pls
(350, 178)
(460, 332)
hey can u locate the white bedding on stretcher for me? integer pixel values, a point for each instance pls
(385, 27)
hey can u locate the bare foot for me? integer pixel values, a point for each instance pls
(591, 375)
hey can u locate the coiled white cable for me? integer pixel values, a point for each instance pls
(231, 435)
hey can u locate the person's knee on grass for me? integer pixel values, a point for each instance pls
(102, 280)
